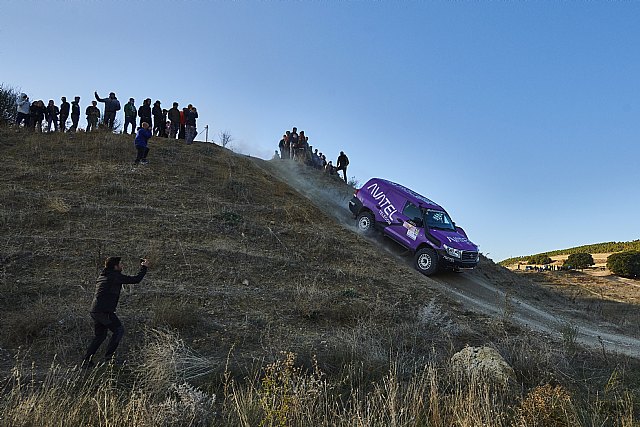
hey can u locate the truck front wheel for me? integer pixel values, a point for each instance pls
(426, 261)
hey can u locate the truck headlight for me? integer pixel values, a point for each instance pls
(456, 253)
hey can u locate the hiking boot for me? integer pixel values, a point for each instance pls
(144, 162)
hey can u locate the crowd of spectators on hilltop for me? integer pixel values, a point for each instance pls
(295, 146)
(160, 122)
(172, 123)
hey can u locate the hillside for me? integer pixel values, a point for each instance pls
(596, 248)
(253, 258)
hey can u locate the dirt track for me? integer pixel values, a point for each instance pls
(485, 292)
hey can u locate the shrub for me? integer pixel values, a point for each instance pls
(8, 104)
(540, 259)
(625, 264)
(581, 260)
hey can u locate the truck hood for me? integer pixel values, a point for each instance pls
(453, 239)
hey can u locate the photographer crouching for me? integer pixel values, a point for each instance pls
(103, 310)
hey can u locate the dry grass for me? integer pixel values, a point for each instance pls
(285, 393)
(243, 267)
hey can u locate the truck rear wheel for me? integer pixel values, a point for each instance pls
(426, 261)
(365, 222)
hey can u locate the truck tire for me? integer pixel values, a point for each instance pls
(364, 222)
(426, 261)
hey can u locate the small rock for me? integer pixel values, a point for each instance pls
(482, 361)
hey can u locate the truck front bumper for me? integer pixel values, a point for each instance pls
(355, 206)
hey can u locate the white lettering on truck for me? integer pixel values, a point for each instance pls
(387, 210)
(458, 239)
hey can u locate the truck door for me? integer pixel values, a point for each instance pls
(407, 226)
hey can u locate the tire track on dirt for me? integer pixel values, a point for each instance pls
(468, 288)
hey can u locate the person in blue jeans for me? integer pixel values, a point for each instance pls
(142, 137)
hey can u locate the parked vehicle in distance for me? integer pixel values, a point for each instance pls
(414, 222)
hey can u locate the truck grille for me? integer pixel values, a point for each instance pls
(469, 256)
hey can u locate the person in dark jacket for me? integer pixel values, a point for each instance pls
(111, 107)
(174, 117)
(103, 309)
(130, 115)
(343, 162)
(144, 111)
(75, 114)
(183, 123)
(93, 116)
(51, 114)
(158, 122)
(190, 129)
(37, 112)
(142, 138)
(64, 113)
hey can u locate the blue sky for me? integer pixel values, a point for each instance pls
(520, 118)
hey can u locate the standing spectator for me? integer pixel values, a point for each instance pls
(174, 117)
(75, 114)
(293, 141)
(103, 309)
(317, 160)
(23, 110)
(51, 114)
(183, 122)
(142, 138)
(130, 115)
(281, 145)
(343, 162)
(111, 107)
(164, 129)
(93, 115)
(38, 112)
(302, 147)
(64, 113)
(158, 123)
(190, 130)
(144, 111)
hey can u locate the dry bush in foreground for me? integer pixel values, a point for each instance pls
(161, 392)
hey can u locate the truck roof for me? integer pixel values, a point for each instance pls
(420, 199)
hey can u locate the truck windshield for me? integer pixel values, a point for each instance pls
(439, 220)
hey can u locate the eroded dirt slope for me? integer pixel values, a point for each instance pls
(489, 290)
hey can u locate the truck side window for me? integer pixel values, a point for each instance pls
(412, 212)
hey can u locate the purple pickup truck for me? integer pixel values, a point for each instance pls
(414, 222)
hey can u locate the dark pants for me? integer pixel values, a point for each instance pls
(343, 169)
(158, 125)
(103, 322)
(142, 153)
(145, 120)
(74, 120)
(131, 120)
(109, 118)
(175, 126)
(55, 124)
(182, 131)
(63, 122)
(22, 118)
(92, 123)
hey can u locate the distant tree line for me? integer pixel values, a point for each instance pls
(597, 248)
